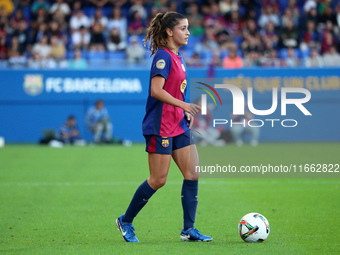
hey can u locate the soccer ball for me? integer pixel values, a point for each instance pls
(253, 227)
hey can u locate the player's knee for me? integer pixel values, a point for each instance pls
(157, 183)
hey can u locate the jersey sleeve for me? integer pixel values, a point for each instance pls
(161, 64)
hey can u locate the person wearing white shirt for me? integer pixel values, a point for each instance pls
(60, 5)
(78, 20)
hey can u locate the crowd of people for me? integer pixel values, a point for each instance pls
(226, 33)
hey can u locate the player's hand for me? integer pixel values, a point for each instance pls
(192, 108)
(190, 119)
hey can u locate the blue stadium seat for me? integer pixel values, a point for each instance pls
(89, 11)
(96, 55)
(224, 53)
(97, 63)
(117, 55)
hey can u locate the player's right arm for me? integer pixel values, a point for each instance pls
(157, 92)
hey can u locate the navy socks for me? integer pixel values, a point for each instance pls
(189, 202)
(141, 197)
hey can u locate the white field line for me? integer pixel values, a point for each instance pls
(201, 182)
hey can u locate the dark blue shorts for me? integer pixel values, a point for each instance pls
(166, 145)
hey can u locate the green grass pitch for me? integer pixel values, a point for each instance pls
(65, 201)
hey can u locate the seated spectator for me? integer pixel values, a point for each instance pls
(331, 58)
(58, 51)
(40, 17)
(135, 52)
(228, 6)
(310, 36)
(16, 60)
(268, 14)
(3, 49)
(17, 18)
(98, 18)
(327, 42)
(81, 38)
(291, 60)
(289, 35)
(69, 131)
(79, 19)
(114, 41)
(269, 35)
(62, 6)
(118, 21)
(272, 60)
(98, 122)
(314, 60)
(288, 15)
(194, 61)
(22, 34)
(195, 19)
(98, 3)
(42, 48)
(40, 4)
(137, 6)
(328, 15)
(234, 24)
(97, 41)
(252, 59)
(232, 61)
(35, 61)
(137, 25)
(77, 62)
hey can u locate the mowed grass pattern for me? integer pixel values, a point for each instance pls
(65, 201)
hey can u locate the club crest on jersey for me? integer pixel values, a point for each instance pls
(160, 64)
(183, 67)
(183, 85)
(165, 143)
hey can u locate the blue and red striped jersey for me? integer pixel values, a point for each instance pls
(160, 118)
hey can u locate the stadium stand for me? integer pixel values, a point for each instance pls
(256, 28)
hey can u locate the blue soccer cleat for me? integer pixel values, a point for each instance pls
(193, 235)
(127, 230)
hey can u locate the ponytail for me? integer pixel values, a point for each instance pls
(156, 33)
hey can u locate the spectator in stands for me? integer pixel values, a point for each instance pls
(97, 41)
(35, 61)
(99, 18)
(327, 42)
(39, 33)
(57, 49)
(268, 14)
(40, 4)
(331, 58)
(135, 52)
(118, 21)
(79, 19)
(288, 15)
(289, 35)
(22, 34)
(40, 17)
(269, 35)
(77, 62)
(137, 6)
(195, 19)
(16, 59)
(292, 5)
(194, 61)
(312, 14)
(81, 38)
(69, 131)
(272, 60)
(62, 6)
(3, 49)
(252, 59)
(212, 16)
(17, 18)
(232, 61)
(114, 42)
(314, 60)
(251, 43)
(228, 6)
(98, 122)
(291, 60)
(137, 25)
(311, 36)
(98, 3)
(43, 48)
(309, 5)
(328, 15)
(61, 20)
(234, 24)
(338, 14)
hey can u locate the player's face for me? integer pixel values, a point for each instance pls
(181, 33)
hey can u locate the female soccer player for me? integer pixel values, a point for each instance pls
(166, 125)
